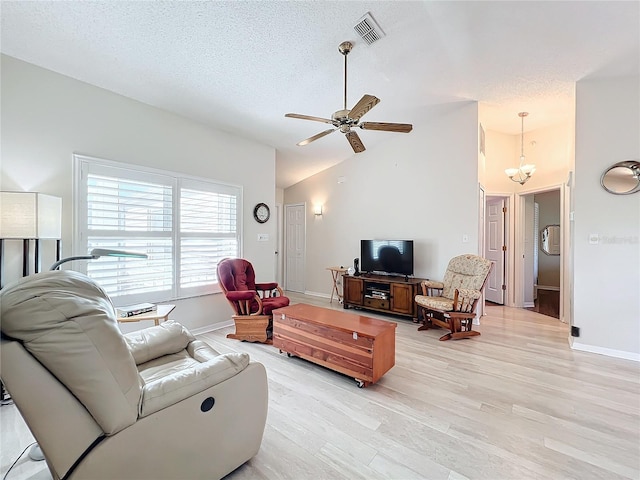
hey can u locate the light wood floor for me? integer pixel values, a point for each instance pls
(514, 403)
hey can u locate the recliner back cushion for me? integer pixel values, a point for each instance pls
(66, 321)
(465, 271)
(236, 274)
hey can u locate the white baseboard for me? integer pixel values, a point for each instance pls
(609, 352)
(212, 327)
(548, 287)
(528, 305)
(317, 294)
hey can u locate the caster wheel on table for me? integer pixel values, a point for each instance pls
(360, 383)
(288, 355)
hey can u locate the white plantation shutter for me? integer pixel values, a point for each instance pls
(184, 225)
(208, 232)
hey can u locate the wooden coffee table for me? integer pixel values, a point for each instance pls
(361, 347)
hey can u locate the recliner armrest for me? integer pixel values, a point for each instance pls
(267, 286)
(171, 389)
(153, 342)
(431, 288)
(240, 295)
(269, 289)
(469, 293)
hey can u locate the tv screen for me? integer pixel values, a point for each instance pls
(387, 256)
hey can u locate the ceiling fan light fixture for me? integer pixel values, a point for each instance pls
(525, 170)
(345, 120)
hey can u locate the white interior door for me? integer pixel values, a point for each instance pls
(494, 251)
(295, 241)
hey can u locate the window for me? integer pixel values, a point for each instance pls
(184, 225)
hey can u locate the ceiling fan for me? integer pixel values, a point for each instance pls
(346, 120)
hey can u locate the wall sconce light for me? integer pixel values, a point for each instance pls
(317, 210)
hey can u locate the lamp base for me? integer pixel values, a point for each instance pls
(35, 453)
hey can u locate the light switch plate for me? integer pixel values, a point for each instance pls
(263, 237)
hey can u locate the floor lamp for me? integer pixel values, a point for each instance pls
(97, 253)
(28, 216)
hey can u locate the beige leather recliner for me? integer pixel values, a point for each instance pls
(154, 404)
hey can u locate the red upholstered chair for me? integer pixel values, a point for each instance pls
(252, 303)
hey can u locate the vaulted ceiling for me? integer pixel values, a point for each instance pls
(239, 66)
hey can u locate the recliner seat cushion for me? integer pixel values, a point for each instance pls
(272, 303)
(65, 320)
(438, 303)
(171, 378)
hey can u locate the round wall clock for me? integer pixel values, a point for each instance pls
(261, 213)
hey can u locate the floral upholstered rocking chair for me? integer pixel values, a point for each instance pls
(451, 304)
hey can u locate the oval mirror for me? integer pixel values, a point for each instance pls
(550, 236)
(622, 178)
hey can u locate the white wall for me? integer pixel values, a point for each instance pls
(421, 186)
(607, 274)
(46, 117)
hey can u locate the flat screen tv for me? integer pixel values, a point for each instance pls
(387, 256)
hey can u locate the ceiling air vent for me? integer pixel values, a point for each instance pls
(368, 29)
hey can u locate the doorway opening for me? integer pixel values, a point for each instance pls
(523, 276)
(542, 271)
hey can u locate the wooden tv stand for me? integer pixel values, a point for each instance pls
(382, 293)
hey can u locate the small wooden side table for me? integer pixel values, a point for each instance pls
(161, 313)
(335, 273)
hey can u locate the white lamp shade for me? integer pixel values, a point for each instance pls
(511, 171)
(30, 215)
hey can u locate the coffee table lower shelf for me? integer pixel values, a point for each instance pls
(355, 345)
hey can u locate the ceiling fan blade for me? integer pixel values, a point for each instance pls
(366, 103)
(355, 142)
(387, 127)
(307, 117)
(315, 137)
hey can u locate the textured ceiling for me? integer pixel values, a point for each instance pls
(240, 66)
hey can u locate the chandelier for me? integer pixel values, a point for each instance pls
(525, 170)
